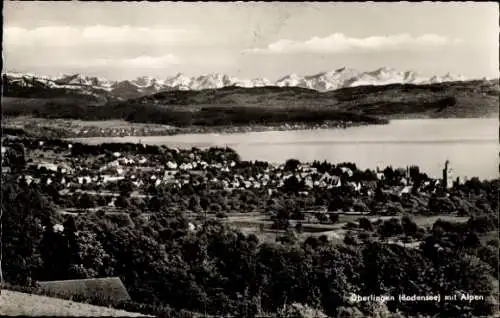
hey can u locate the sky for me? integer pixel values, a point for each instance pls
(119, 40)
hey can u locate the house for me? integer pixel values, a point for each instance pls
(186, 166)
(406, 190)
(336, 182)
(356, 186)
(84, 179)
(114, 163)
(126, 161)
(308, 182)
(109, 289)
(347, 171)
(58, 228)
(107, 178)
(48, 166)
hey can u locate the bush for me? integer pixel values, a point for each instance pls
(365, 224)
(409, 226)
(391, 227)
(215, 208)
(221, 215)
(483, 224)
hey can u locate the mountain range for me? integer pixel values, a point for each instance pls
(144, 85)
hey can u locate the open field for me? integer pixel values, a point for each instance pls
(61, 128)
(22, 304)
(260, 225)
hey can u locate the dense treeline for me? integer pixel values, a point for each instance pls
(237, 115)
(217, 270)
(187, 116)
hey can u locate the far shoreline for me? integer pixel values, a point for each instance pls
(79, 130)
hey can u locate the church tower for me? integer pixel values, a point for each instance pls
(447, 176)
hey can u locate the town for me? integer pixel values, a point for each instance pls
(98, 194)
(267, 160)
(110, 176)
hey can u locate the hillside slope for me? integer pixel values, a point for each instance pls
(439, 100)
(231, 105)
(22, 304)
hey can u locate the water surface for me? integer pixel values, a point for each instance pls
(471, 145)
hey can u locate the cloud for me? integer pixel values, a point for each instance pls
(139, 62)
(135, 62)
(65, 36)
(339, 43)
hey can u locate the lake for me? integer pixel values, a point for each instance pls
(471, 145)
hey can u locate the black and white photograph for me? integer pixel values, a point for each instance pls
(250, 159)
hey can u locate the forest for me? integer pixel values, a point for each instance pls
(171, 270)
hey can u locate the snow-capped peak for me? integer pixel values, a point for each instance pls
(147, 81)
(322, 81)
(290, 80)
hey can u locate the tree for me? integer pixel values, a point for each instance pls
(483, 224)
(293, 185)
(221, 215)
(380, 196)
(25, 211)
(87, 201)
(281, 220)
(290, 237)
(125, 187)
(439, 204)
(54, 251)
(350, 239)
(299, 227)
(215, 208)
(410, 228)
(292, 164)
(389, 174)
(334, 218)
(322, 218)
(194, 203)
(391, 227)
(204, 203)
(122, 202)
(365, 224)
(90, 259)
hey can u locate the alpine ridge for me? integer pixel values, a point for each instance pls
(145, 85)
